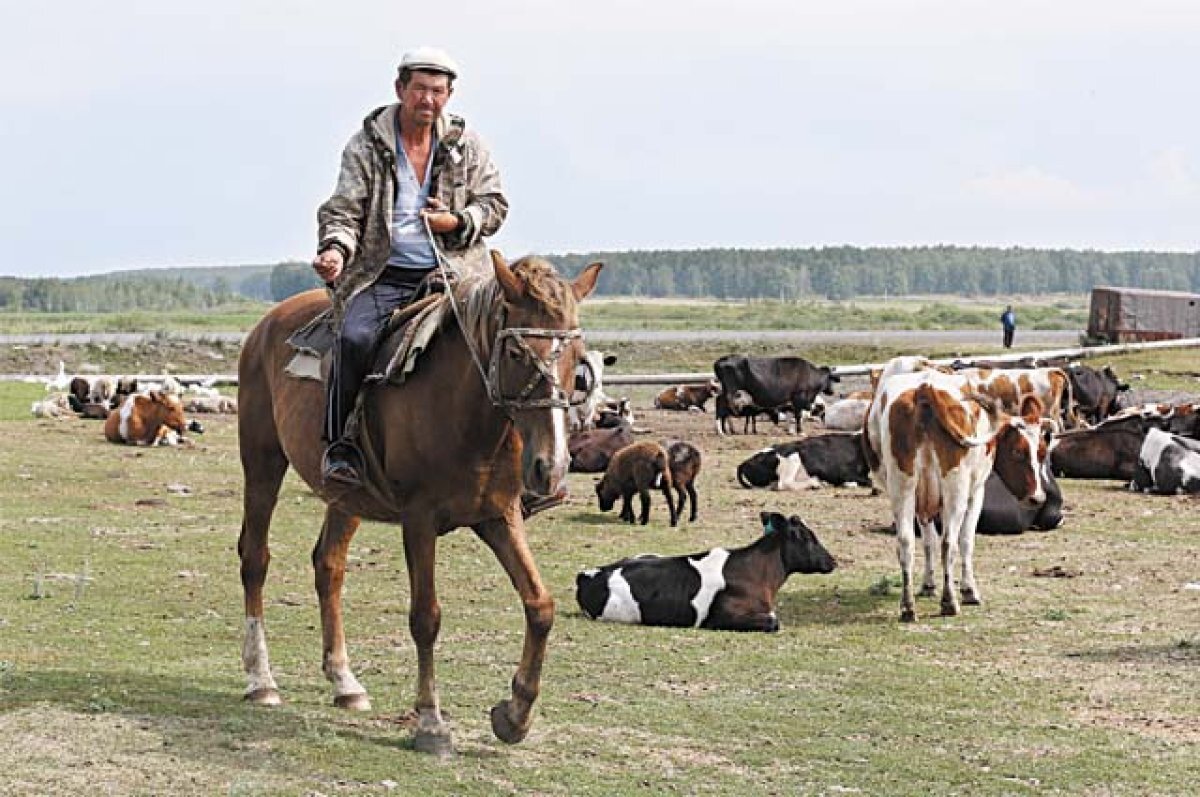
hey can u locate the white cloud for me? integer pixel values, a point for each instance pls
(1030, 188)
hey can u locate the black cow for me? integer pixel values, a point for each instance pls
(1004, 514)
(1096, 393)
(834, 458)
(772, 382)
(730, 590)
(1107, 451)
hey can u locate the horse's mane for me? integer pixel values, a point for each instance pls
(481, 299)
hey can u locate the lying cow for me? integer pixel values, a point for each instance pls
(1096, 392)
(1004, 514)
(1108, 451)
(846, 415)
(834, 458)
(687, 397)
(591, 450)
(1167, 464)
(729, 590)
(147, 420)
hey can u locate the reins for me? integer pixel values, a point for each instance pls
(543, 369)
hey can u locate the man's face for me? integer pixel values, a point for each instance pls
(424, 96)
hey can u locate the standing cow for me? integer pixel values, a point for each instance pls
(938, 443)
(772, 383)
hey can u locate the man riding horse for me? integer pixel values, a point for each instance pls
(410, 175)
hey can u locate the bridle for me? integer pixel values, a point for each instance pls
(543, 368)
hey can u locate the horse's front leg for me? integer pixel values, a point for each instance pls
(506, 537)
(329, 569)
(424, 622)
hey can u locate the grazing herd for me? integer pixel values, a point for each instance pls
(134, 413)
(972, 448)
(955, 450)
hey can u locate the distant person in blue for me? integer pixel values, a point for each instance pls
(1008, 320)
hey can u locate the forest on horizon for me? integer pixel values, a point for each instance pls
(836, 273)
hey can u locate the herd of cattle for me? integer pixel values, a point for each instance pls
(133, 413)
(973, 446)
(955, 449)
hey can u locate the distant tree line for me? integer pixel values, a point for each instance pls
(109, 293)
(841, 272)
(845, 272)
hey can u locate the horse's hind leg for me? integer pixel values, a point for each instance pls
(506, 537)
(263, 468)
(329, 568)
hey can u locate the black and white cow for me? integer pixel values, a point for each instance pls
(772, 383)
(1167, 464)
(834, 458)
(723, 589)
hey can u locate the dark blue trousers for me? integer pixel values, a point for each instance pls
(366, 316)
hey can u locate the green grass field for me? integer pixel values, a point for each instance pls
(121, 614)
(926, 312)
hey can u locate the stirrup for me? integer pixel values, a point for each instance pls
(342, 464)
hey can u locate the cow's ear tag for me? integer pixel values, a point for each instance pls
(769, 526)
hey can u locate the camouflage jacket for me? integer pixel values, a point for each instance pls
(358, 216)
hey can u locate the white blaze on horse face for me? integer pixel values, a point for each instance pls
(562, 457)
(620, 606)
(255, 661)
(712, 580)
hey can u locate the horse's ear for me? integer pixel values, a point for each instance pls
(585, 283)
(510, 283)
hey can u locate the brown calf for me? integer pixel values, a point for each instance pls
(635, 469)
(683, 459)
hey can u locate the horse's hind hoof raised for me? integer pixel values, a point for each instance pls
(505, 729)
(433, 743)
(263, 697)
(359, 701)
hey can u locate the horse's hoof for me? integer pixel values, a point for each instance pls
(908, 616)
(356, 702)
(927, 591)
(263, 697)
(950, 610)
(505, 729)
(971, 598)
(435, 743)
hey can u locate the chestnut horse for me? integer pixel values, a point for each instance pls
(457, 446)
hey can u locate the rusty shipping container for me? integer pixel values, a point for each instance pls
(1129, 315)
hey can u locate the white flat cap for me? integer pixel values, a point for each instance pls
(430, 59)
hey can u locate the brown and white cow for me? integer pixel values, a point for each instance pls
(939, 440)
(147, 419)
(687, 397)
(1011, 386)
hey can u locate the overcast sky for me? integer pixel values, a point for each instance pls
(159, 133)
